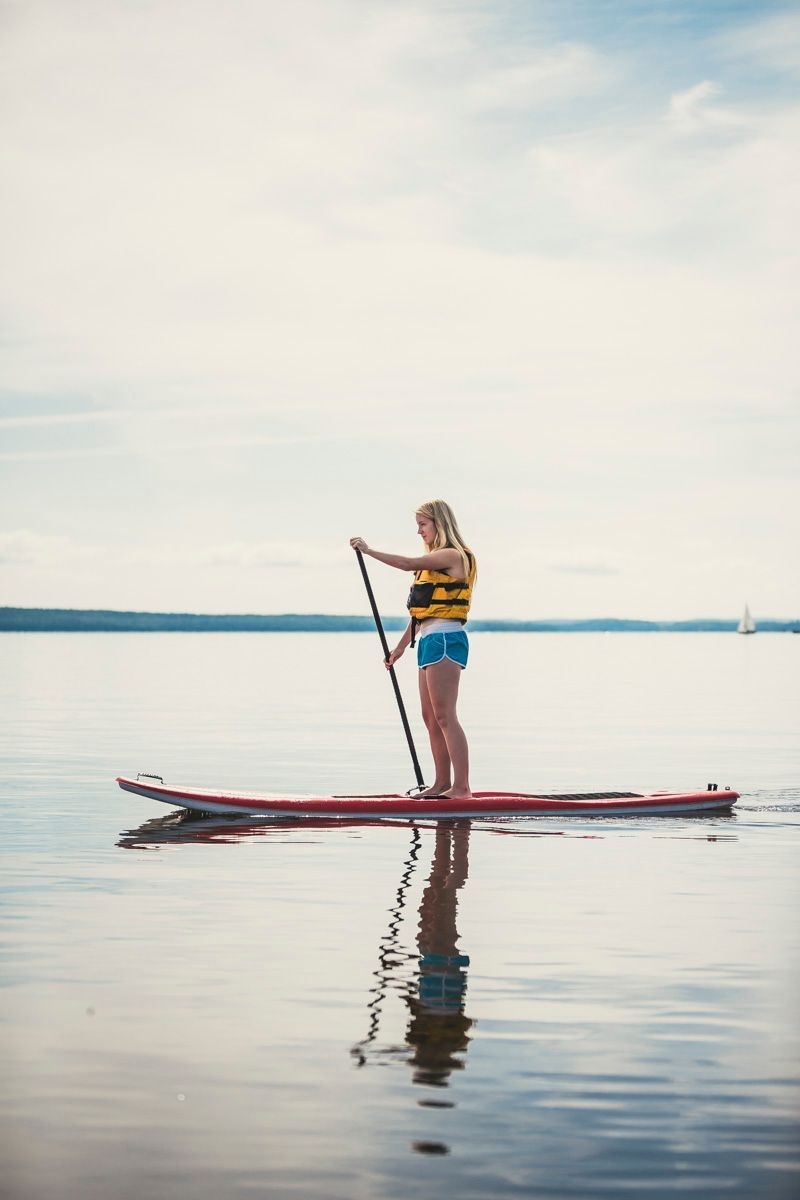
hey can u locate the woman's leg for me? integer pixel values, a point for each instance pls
(441, 755)
(443, 679)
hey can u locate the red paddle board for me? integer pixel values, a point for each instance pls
(482, 804)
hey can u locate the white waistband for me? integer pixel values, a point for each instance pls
(438, 625)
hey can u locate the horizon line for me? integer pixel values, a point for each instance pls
(23, 617)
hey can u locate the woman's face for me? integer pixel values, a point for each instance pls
(426, 529)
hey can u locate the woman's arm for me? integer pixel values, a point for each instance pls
(400, 648)
(437, 560)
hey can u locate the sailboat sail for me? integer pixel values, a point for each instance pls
(747, 624)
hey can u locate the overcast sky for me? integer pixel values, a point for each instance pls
(274, 273)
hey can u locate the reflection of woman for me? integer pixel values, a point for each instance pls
(437, 1030)
(439, 602)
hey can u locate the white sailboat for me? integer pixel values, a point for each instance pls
(747, 624)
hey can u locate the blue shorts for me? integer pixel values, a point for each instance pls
(453, 645)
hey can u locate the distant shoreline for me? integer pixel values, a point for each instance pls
(78, 620)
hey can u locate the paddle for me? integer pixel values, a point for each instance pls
(390, 956)
(395, 684)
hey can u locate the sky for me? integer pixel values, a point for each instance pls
(274, 274)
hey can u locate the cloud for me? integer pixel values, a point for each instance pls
(258, 220)
(586, 569)
(45, 420)
(536, 79)
(30, 548)
(402, 226)
(62, 454)
(154, 415)
(24, 546)
(589, 563)
(148, 432)
(690, 110)
(267, 554)
(772, 42)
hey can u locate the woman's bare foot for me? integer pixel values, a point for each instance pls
(436, 790)
(455, 793)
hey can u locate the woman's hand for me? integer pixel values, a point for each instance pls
(398, 652)
(358, 543)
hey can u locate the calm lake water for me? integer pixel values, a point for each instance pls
(537, 1007)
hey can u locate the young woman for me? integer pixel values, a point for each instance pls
(444, 577)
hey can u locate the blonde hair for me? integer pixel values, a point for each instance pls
(448, 535)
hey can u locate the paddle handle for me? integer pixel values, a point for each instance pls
(393, 677)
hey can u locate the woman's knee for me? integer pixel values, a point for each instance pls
(445, 715)
(429, 717)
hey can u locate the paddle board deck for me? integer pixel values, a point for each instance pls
(392, 805)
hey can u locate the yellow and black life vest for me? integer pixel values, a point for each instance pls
(435, 594)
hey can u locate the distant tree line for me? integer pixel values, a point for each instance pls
(78, 620)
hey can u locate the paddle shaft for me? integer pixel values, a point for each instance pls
(395, 684)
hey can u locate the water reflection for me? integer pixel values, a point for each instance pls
(184, 826)
(438, 1026)
(393, 962)
(434, 988)
(431, 980)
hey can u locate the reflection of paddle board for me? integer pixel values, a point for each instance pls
(482, 804)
